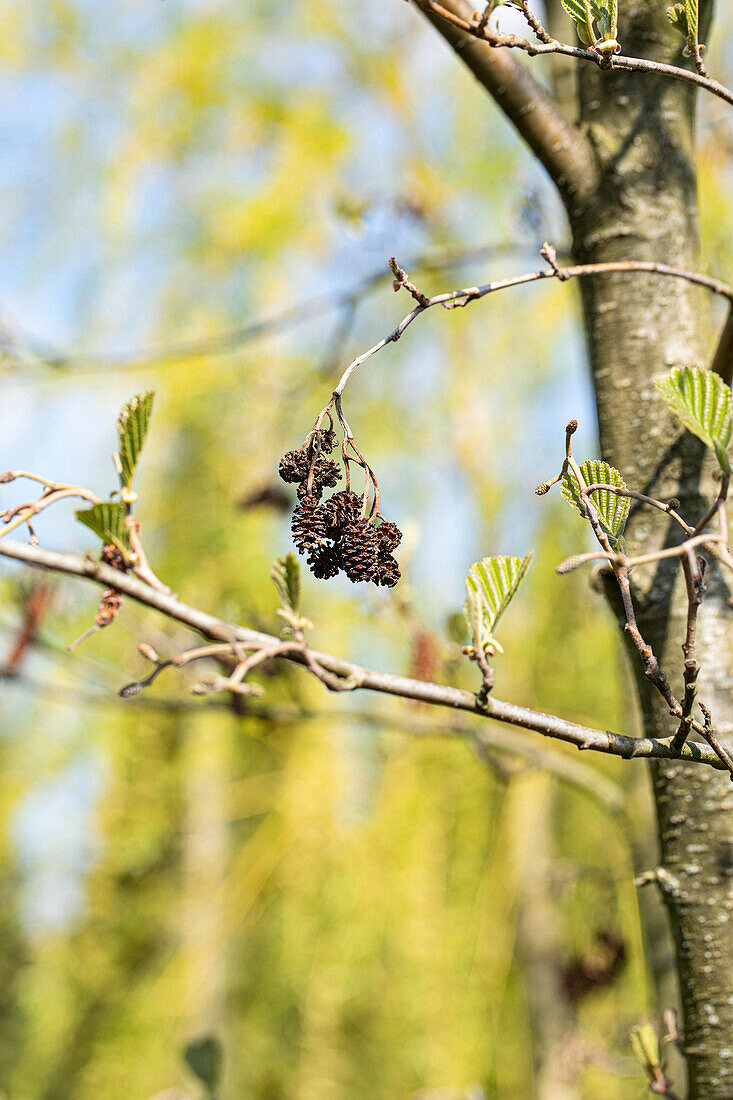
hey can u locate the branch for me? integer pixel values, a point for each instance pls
(456, 299)
(560, 147)
(494, 40)
(442, 695)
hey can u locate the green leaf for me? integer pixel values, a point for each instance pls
(285, 574)
(702, 401)
(490, 586)
(645, 1044)
(692, 18)
(581, 10)
(677, 16)
(204, 1057)
(132, 426)
(608, 19)
(613, 510)
(107, 521)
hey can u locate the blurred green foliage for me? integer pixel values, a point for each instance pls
(344, 905)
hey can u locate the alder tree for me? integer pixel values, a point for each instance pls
(620, 152)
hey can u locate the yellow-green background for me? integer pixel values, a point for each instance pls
(343, 894)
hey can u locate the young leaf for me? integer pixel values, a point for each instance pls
(285, 574)
(678, 18)
(583, 12)
(702, 401)
(107, 521)
(132, 426)
(490, 586)
(613, 510)
(645, 1044)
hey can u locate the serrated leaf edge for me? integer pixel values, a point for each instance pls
(132, 428)
(482, 616)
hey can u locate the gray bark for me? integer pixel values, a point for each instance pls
(645, 207)
(627, 177)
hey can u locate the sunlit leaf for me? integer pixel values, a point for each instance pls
(132, 426)
(645, 1044)
(285, 574)
(581, 10)
(490, 586)
(107, 520)
(702, 401)
(678, 18)
(612, 509)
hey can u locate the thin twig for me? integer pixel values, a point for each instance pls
(694, 582)
(652, 669)
(534, 23)
(455, 299)
(667, 508)
(627, 64)
(709, 734)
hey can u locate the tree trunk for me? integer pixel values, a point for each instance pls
(645, 208)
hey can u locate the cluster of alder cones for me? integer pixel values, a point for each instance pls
(334, 533)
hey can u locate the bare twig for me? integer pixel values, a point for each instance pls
(455, 299)
(652, 669)
(693, 569)
(534, 23)
(52, 493)
(668, 508)
(142, 566)
(709, 734)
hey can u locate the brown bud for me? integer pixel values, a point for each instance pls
(542, 488)
(572, 427)
(673, 504)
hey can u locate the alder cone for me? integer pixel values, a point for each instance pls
(389, 536)
(328, 440)
(359, 548)
(327, 472)
(307, 526)
(314, 493)
(325, 562)
(340, 510)
(293, 466)
(386, 571)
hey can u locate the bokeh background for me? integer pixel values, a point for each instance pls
(351, 896)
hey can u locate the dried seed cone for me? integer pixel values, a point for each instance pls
(307, 525)
(293, 466)
(341, 509)
(325, 562)
(314, 493)
(386, 572)
(389, 536)
(359, 549)
(327, 472)
(324, 440)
